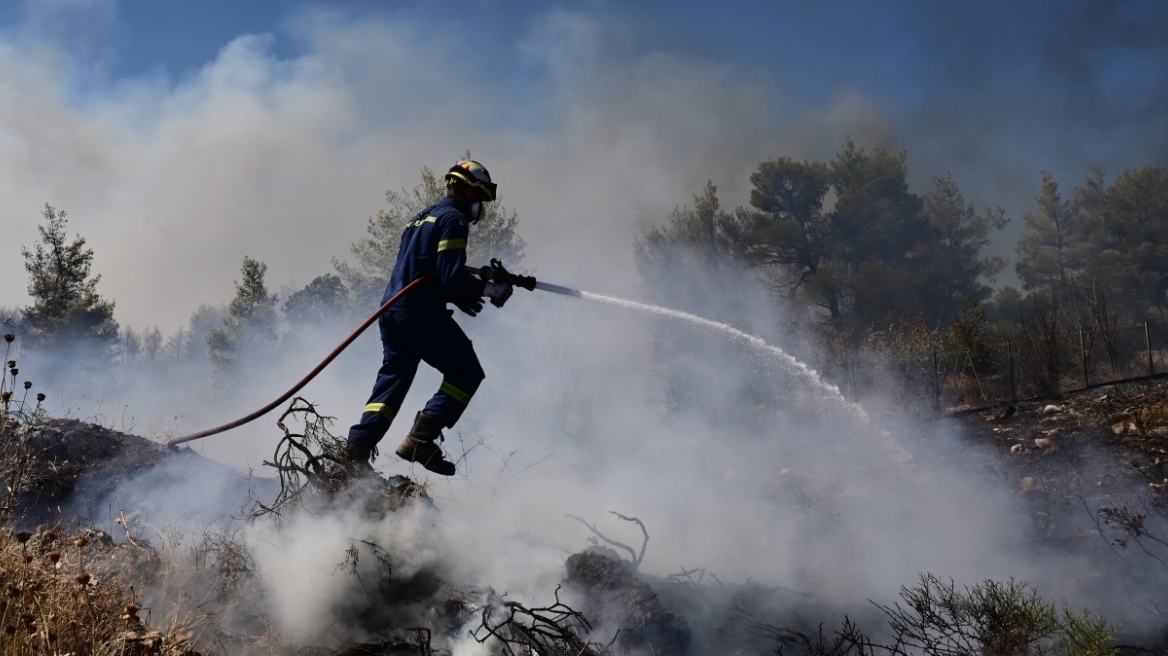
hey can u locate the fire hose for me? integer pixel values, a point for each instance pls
(494, 272)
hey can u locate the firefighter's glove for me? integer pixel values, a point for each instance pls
(498, 292)
(471, 306)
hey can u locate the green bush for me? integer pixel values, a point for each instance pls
(992, 618)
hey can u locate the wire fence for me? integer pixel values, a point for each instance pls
(925, 370)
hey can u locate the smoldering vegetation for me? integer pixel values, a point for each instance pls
(768, 523)
(324, 563)
(627, 482)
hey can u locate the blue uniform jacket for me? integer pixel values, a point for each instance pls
(434, 239)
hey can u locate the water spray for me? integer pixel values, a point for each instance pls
(792, 363)
(757, 342)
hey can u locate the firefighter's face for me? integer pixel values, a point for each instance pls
(472, 198)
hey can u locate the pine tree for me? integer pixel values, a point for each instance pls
(249, 330)
(694, 239)
(877, 226)
(319, 303)
(67, 312)
(1048, 257)
(1127, 227)
(957, 267)
(494, 236)
(786, 233)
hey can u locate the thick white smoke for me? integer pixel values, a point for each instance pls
(284, 159)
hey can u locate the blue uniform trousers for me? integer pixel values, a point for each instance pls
(408, 338)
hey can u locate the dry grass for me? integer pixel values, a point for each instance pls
(62, 592)
(67, 594)
(155, 590)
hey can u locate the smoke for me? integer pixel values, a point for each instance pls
(282, 158)
(572, 420)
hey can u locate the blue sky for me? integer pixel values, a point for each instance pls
(195, 133)
(1076, 57)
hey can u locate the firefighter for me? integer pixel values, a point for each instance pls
(421, 328)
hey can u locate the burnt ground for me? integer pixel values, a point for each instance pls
(90, 474)
(1105, 446)
(1089, 465)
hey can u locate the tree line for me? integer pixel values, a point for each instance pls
(883, 278)
(848, 238)
(843, 246)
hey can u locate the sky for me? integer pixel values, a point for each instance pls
(182, 136)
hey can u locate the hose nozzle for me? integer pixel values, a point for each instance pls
(496, 273)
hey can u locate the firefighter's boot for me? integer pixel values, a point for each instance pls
(358, 456)
(420, 445)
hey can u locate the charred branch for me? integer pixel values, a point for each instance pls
(555, 630)
(634, 557)
(309, 463)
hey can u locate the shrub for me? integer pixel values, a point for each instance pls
(992, 618)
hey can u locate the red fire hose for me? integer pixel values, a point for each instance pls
(312, 374)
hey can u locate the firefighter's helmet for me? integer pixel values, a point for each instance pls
(475, 175)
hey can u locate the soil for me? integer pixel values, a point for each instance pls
(77, 468)
(1090, 465)
(1102, 447)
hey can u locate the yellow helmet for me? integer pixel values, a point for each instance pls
(474, 175)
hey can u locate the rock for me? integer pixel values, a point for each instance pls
(614, 596)
(1052, 410)
(152, 643)
(1027, 485)
(1005, 412)
(1016, 449)
(1046, 443)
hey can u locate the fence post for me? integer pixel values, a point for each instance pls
(1083, 355)
(1148, 341)
(1010, 351)
(852, 378)
(849, 383)
(936, 386)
